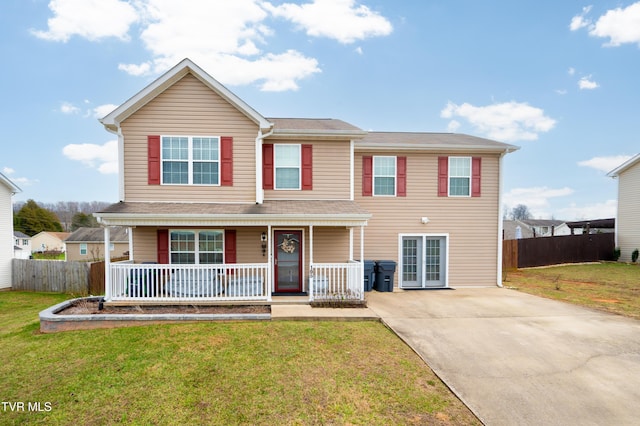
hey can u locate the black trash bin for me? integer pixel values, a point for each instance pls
(369, 274)
(384, 275)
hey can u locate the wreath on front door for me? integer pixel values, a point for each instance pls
(288, 244)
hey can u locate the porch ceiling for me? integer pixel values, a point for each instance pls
(277, 213)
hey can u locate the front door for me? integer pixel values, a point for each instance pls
(288, 261)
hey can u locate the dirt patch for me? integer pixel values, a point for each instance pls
(606, 300)
(85, 307)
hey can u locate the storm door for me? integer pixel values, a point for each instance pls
(288, 261)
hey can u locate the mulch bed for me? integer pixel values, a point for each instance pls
(85, 307)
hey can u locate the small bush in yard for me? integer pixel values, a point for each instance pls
(616, 254)
(634, 256)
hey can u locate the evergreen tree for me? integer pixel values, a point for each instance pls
(83, 220)
(32, 218)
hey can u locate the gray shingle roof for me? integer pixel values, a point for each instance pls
(95, 235)
(436, 141)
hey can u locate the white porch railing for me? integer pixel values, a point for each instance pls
(174, 283)
(336, 281)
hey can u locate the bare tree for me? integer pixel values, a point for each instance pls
(520, 212)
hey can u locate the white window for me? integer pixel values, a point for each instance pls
(83, 249)
(190, 160)
(287, 166)
(196, 247)
(384, 176)
(459, 176)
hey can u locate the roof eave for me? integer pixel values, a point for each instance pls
(435, 147)
(624, 166)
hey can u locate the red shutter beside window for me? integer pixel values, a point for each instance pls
(443, 176)
(367, 176)
(267, 166)
(476, 172)
(163, 245)
(401, 190)
(230, 246)
(307, 167)
(226, 161)
(153, 160)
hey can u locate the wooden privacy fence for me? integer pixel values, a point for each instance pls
(79, 278)
(542, 251)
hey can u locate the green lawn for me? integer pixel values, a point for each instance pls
(215, 373)
(609, 286)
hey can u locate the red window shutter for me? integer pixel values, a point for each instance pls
(226, 161)
(443, 176)
(307, 167)
(476, 163)
(367, 176)
(267, 166)
(163, 246)
(230, 246)
(401, 164)
(153, 159)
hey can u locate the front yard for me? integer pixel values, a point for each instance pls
(612, 287)
(213, 373)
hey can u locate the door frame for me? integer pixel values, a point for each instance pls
(423, 236)
(274, 243)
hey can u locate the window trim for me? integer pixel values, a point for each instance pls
(190, 160)
(83, 249)
(275, 166)
(196, 252)
(469, 177)
(374, 176)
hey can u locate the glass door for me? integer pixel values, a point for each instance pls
(423, 262)
(288, 261)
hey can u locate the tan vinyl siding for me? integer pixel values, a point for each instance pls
(145, 245)
(470, 222)
(331, 168)
(95, 251)
(331, 245)
(628, 226)
(189, 108)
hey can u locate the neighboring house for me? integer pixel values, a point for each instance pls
(543, 227)
(21, 245)
(49, 241)
(515, 230)
(594, 226)
(7, 189)
(628, 216)
(233, 205)
(88, 243)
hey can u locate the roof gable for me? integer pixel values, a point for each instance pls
(7, 182)
(112, 120)
(625, 166)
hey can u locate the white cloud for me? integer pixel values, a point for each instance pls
(20, 181)
(561, 91)
(453, 126)
(342, 20)
(586, 83)
(104, 158)
(8, 170)
(508, 121)
(91, 19)
(228, 39)
(603, 210)
(579, 20)
(102, 110)
(620, 25)
(571, 71)
(359, 50)
(605, 164)
(69, 108)
(535, 198)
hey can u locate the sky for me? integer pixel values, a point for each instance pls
(559, 79)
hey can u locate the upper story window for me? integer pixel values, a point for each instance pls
(384, 176)
(190, 160)
(287, 165)
(460, 176)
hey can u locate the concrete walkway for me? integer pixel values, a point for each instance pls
(516, 359)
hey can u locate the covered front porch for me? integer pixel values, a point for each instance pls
(276, 250)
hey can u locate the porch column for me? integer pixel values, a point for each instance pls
(107, 263)
(351, 244)
(270, 262)
(130, 234)
(362, 261)
(310, 263)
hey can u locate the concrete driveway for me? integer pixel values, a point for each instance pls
(516, 359)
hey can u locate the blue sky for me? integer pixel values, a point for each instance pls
(559, 79)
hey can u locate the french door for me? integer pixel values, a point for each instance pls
(288, 261)
(423, 261)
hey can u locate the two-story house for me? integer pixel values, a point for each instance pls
(21, 245)
(226, 204)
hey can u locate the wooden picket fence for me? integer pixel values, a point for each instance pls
(78, 278)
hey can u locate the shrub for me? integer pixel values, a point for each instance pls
(634, 256)
(616, 253)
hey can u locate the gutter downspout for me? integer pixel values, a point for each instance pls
(259, 190)
(499, 265)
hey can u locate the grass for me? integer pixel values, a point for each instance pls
(215, 373)
(611, 287)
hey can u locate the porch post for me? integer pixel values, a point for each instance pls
(130, 234)
(107, 263)
(351, 244)
(270, 262)
(311, 263)
(362, 261)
